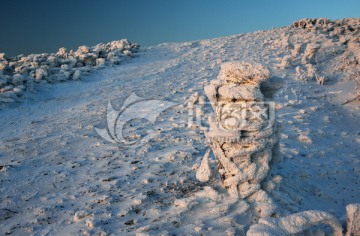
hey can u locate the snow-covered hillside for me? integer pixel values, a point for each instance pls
(59, 177)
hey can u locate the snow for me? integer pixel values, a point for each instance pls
(59, 177)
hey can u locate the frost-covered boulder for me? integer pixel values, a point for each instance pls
(34, 65)
(298, 223)
(76, 75)
(64, 67)
(9, 94)
(83, 50)
(127, 52)
(22, 68)
(53, 61)
(18, 90)
(17, 79)
(100, 62)
(100, 50)
(62, 53)
(294, 224)
(119, 44)
(3, 66)
(303, 23)
(40, 74)
(2, 56)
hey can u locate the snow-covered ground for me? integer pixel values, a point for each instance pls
(59, 177)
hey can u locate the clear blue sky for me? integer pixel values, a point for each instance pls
(35, 26)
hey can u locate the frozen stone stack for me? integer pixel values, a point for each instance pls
(242, 133)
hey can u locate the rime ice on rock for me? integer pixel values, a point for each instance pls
(294, 224)
(241, 133)
(300, 222)
(59, 66)
(310, 55)
(353, 219)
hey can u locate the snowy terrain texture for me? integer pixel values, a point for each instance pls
(58, 176)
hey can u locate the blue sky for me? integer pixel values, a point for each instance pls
(35, 26)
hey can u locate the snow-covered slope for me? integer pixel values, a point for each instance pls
(59, 177)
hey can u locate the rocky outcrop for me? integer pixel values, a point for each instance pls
(19, 73)
(336, 27)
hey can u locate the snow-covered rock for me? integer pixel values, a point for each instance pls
(2, 56)
(76, 75)
(63, 65)
(294, 224)
(40, 74)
